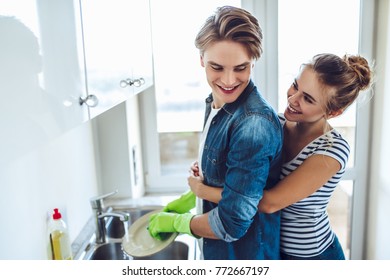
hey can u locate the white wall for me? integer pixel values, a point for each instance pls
(378, 227)
(60, 175)
(89, 160)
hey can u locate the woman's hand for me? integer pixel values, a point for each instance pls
(196, 185)
(194, 169)
(195, 181)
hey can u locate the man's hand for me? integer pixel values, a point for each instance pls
(183, 204)
(164, 222)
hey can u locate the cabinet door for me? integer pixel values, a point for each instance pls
(141, 34)
(117, 48)
(40, 75)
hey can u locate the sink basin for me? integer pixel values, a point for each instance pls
(183, 248)
(113, 251)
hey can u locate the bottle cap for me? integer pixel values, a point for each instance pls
(56, 215)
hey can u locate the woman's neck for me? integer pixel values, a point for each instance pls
(310, 130)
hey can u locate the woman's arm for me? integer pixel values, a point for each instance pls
(312, 174)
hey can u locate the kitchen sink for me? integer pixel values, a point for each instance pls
(184, 247)
(113, 251)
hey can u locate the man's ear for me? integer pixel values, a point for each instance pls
(201, 61)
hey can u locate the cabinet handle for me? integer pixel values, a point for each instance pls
(129, 82)
(91, 100)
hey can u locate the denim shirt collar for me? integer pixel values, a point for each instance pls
(230, 108)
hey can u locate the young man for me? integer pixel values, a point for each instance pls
(240, 150)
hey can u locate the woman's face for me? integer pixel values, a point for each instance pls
(228, 70)
(305, 98)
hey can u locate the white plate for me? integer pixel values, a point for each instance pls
(139, 243)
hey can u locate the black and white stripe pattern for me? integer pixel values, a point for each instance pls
(305, 226)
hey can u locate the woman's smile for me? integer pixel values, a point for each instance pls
(291, 110)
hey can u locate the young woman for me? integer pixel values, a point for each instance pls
(315, 155)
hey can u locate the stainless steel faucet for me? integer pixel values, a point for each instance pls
(99, 216)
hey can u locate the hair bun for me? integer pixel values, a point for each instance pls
(361, 68)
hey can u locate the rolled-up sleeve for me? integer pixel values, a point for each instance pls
(217, 226)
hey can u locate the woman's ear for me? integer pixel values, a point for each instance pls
(335, 113)
(201, 61)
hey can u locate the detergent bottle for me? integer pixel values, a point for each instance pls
(59, 238)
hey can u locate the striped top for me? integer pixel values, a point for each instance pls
(305, 226)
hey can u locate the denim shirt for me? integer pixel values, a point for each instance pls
(242, 154)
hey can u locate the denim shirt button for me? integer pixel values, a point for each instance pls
(205, 147)
(214, 161)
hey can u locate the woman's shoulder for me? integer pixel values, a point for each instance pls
(336, 138)
(333, 144)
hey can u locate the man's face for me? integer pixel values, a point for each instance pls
(228, 70)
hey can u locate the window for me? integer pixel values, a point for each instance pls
(305, 28)
(180, 90)
(305, 32)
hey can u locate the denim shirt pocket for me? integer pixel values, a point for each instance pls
(214, 166)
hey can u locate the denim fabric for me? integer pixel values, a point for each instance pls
(333, 252)
(242, 154)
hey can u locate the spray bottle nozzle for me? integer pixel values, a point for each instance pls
(56, 215)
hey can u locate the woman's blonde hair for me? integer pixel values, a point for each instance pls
(343, 77)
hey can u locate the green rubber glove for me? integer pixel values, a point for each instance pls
(183, 204)
(164, 222)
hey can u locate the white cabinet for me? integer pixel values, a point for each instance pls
(52, 53)
(41, 78)
(118, 50)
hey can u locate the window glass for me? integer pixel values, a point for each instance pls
(310, 27)
(180, 81)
